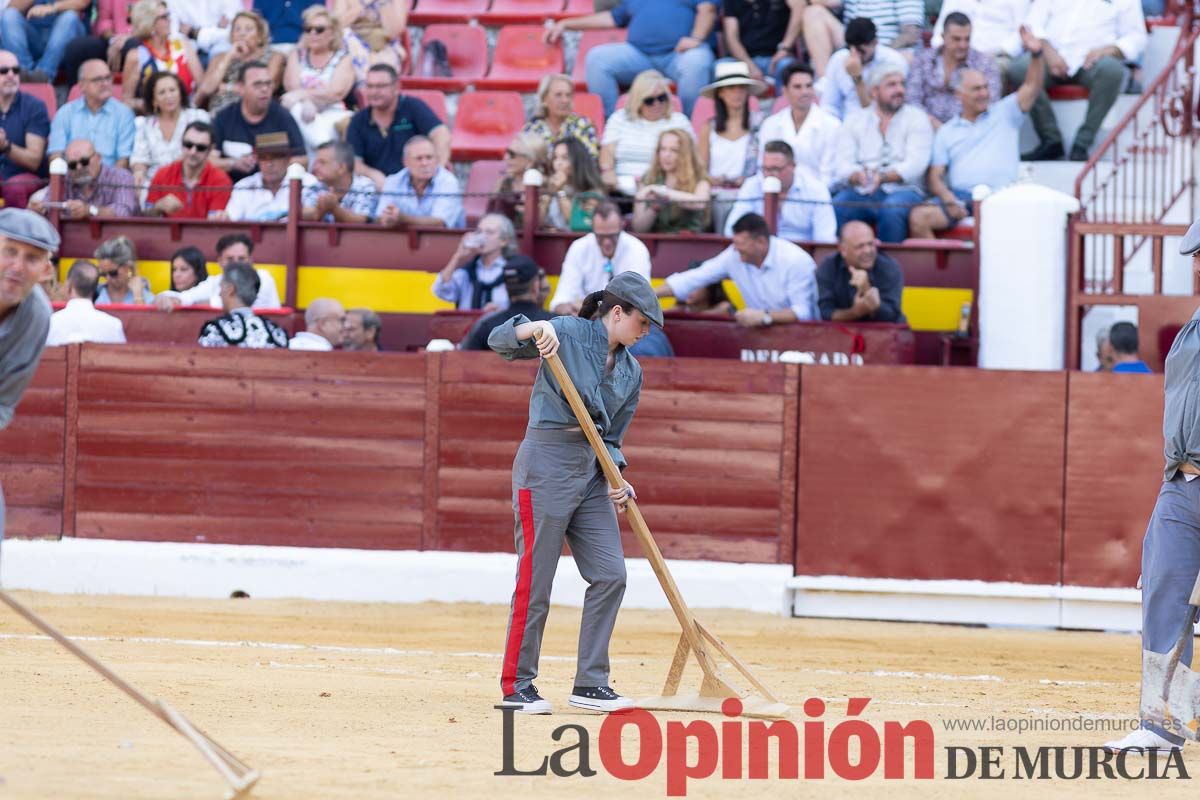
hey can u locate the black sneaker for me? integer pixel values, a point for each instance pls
(599, 698)
(527, 701)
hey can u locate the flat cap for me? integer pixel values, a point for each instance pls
(26, 226)
(1191, 240)
(633, 288)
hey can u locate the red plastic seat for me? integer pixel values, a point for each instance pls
(518, 12)
(1067, 91)
(485, 124)
(705, 109)
(436, 100)
(587, 41)
(676, 103)
(43, 92)
(577, 8)
(431, 11)
(466, 47)
(521, 59)
(75, 93)
(589, 105)
(481, 180)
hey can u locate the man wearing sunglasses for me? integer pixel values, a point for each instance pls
(24, 126)
(192, 187)
(93, 189)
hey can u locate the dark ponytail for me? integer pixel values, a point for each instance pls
(597, 304)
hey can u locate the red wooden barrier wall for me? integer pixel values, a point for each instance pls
(31, 453)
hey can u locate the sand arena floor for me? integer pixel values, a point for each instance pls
(339, 700)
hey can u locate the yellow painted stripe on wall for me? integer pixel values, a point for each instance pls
(930, 308)
(159, 273)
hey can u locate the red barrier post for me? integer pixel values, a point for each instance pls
(58, 190)
(771, 189)
(295, 176)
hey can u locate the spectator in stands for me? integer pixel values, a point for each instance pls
(525, 151)
(188, 269)
(92, 188)
(934, 78)
(805, 125)
(107, 42)
(362, 330)
(883, 173)
(1120, 349)
(159, 50)
(190, 188)
(339, 195)
(96, 116)
(709, 300)
(117, 262)
(80, 321)
(1085, 43)
(423, 193)
(249, 41)
(527, 288)
(318, 77)
(231, 248)
(675, 192)
(981, 146)
(24, 126)
(668, 37)
(238, 126)
(38, 31)
(774, 277)
(994, 26)
(574, 188)
(593, 260)
(209, 24)
(264, 196)
(323, 321)
(899, 23)
(379, 132)
(374, 32)
(240, 326)
(555, 119)
(805, 209)
(845, 87)
(762, 36)
(631, 133)
(728, 148)
(473, 278)
(285, 19)
(160, 133)
(858, 283)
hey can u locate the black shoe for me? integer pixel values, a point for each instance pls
(1079, 153)
(1047, 151)
(599, 698)
(527, 701)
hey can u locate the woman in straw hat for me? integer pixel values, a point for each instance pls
(729, 141)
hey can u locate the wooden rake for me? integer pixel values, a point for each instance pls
(240, 777)
(695, 639)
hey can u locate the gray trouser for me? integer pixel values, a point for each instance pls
(1170, 563)
(1103, 81)
(559, 491)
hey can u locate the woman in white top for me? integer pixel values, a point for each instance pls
(160, 135)
(729, 141)
(318, 77)
(631, 133)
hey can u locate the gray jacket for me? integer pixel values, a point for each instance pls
(1181, 409)
(583, 347)
(22, 339)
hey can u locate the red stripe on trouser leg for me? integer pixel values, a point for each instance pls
(516, 628)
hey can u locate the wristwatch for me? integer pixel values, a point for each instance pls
(767, 319)
(93, 211)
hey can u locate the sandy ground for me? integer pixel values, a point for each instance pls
(339, 700)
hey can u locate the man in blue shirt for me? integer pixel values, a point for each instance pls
(378, 133)
(423, 193)
(1120, 350)
(284, 17)
(98, 117)
(666, 35)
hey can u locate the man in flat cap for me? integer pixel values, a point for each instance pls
(1171, 548)
(27, 241)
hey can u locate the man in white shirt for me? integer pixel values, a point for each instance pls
(264, 196)
(805, 207)
(593, 260)
(995, 26)
(808, 128)
(231, 248)
(1085, 42)
(80, 321)
(845, 88)
(323, 322)
(776, 279)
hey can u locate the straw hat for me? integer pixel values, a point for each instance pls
(732, 73)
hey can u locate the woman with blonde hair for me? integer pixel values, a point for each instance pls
(250, 40)
(525, 151)
(675, 191)
(631, 133)
(318, 77)
(159, 51)
(555, 118)
(373, 33)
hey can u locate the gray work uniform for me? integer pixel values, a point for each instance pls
(559, 491)
(22, 338)
(1171, 549)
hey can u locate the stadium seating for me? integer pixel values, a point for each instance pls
(589, 105)
(1067, 91)
(521, 59)
(577, 8)
(481, 180)
(467, 49)
(431, 97)
(485, 124)
(517, 12)
(75, 93)
(43, 92)
(434, 11)
(587, 41)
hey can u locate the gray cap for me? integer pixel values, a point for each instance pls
(1191, 240)
(30, 228)
(633, 288)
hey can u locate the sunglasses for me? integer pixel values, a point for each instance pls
(317, 29)
(658, 98)
(197, 146)
(110, 273)
(10, 70)
(83, 162)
